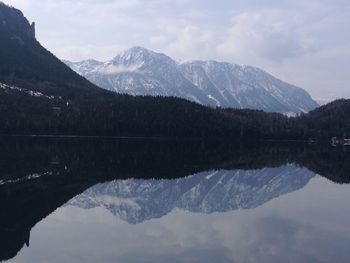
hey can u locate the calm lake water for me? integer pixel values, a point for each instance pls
(100, 200)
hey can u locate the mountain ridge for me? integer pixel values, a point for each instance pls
(139, 71)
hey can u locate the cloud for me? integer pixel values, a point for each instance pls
(159, 39)
(79, 52)
(125, 3)
(191, 42)
(267, 34)
(303, 42)
(112, 69)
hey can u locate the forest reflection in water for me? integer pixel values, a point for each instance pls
(137, 181)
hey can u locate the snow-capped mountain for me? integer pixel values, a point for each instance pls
(238, 86)
(136, 201)
(139, 71)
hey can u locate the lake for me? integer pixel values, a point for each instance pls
(127, 200)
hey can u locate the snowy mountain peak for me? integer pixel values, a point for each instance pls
(139, 56)
(137, 51)
(139, 71)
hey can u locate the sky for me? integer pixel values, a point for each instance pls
(304, 42)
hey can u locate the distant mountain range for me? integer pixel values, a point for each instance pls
(136, 200)
(139, 71)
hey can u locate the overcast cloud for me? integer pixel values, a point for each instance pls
(303, 42)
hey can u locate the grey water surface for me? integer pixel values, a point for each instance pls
(69, 200)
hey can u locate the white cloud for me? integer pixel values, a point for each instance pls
(125, 3)
(16, 3)
(112, 69)
(80, 52)
(191, 42)
(303, 42)
(159, 40)
(267, 34)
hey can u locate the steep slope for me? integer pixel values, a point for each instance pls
(139, 71)
(246, 87)
(25, 62)
(136, 201)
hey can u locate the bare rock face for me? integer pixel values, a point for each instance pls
(32, 30)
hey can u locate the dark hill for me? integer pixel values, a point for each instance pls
(24, 61)
(329, 120)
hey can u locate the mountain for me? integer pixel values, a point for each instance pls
(238, 86)
(136, 200)
(69, 104)
(25, 62)
(139, 71)
(40, 95)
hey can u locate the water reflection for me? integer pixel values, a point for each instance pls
(142, 180)
(136, 201)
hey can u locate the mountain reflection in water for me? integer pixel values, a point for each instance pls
(140, 180)
(137, 200)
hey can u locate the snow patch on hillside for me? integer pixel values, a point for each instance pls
(26, 91)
